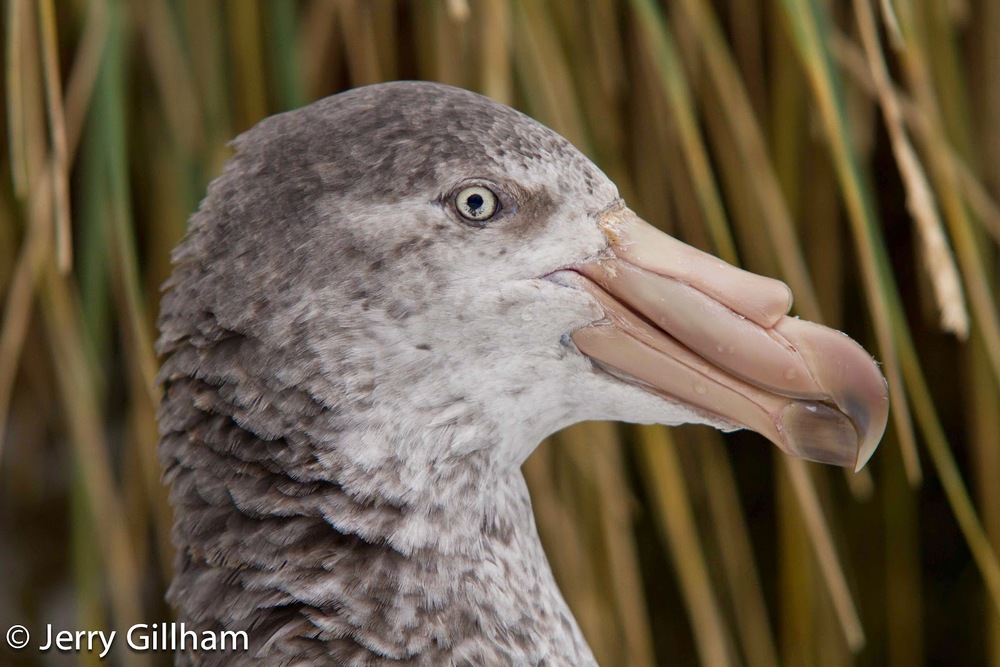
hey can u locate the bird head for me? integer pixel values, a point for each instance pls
(432, 258)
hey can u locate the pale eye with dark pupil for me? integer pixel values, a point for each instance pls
(477, 203)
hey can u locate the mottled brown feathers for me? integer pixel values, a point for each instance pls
(340, 488)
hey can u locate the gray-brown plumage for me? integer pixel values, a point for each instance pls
(354, 372)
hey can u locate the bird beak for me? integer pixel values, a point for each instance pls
(698, 331)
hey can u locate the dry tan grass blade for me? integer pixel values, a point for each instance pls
(920, 201)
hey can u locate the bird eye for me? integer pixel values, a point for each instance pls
(477, 203)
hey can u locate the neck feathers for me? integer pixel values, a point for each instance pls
(287, 530)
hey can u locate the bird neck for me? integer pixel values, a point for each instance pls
(481, 594)
(322, 549)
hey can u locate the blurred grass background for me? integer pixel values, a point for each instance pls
(850, 148)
